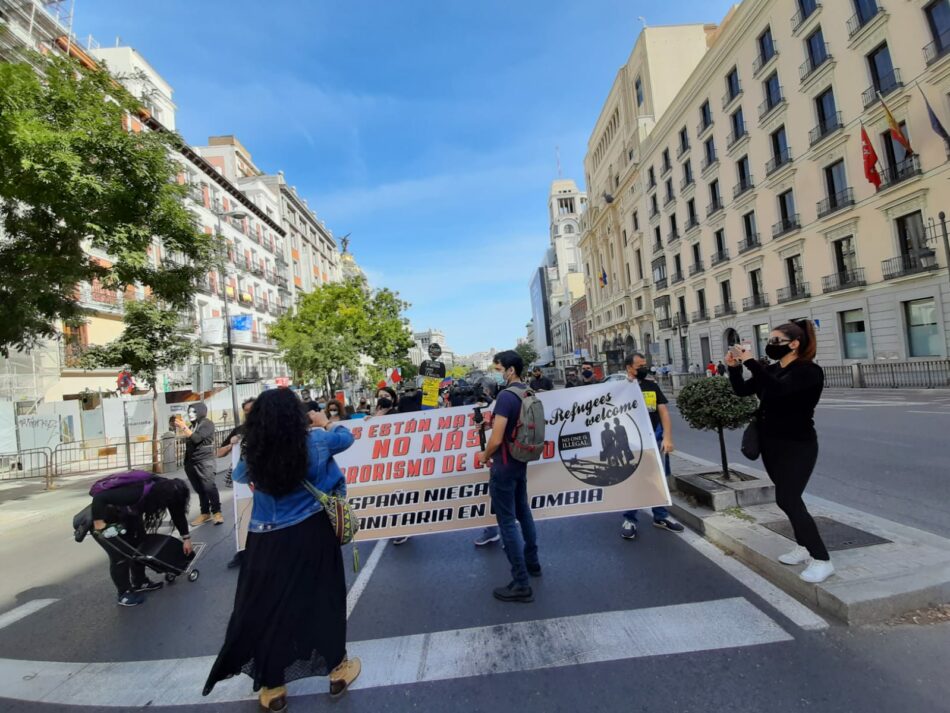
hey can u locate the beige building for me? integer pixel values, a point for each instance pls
(742, 202)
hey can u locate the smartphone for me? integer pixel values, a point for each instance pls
(746, 346)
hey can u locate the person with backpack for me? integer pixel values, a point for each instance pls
(517, 437)
(200, 462)
(126, 506)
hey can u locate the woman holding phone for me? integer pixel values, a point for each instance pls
(788, 392)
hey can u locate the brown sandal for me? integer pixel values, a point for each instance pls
(273, 699)
(343, 676)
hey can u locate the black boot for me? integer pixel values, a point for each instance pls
(514, 593)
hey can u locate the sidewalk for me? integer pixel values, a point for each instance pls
(883, 568)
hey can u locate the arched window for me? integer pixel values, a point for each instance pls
(568, 229)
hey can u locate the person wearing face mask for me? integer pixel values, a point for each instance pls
(788, 392)
(334, 411)
(657, 405)
(386, 401)
(587, 374)
(200, 462)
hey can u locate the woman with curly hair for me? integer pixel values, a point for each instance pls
(289, 617)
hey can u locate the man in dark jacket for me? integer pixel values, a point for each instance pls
(539, 382)
(200, 462)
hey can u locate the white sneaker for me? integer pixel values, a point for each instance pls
(817, 571)
(797, 556)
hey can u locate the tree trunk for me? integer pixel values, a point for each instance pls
(723, 456)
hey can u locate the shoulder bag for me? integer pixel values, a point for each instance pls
(344, 521)
(751, 448)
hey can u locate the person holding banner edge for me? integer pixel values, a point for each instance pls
(508, 484)
(656, 403)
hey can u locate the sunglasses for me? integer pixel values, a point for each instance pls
(779, 340)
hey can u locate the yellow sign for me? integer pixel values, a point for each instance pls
(430, 392)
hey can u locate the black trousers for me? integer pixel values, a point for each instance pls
(790, 465)
(125, 573)
(201, 476)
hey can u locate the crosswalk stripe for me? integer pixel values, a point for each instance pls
(23, 611)
(401, 660)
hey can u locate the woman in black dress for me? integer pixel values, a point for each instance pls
(788, 391)
(289, 617)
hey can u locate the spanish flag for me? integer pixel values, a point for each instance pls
(896, 132)
(603, 277)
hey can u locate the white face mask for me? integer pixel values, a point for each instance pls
(191, 414)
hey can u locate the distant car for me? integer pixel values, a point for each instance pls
(619, 376)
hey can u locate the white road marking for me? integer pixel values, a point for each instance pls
(438, 656)
(794, 610)
(942, 413)
(23, 611)
(356, 591)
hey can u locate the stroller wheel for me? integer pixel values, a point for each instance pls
(170, 578)
(193, 575)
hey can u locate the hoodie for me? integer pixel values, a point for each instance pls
(199, 445)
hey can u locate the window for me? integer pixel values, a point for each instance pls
(674, 229)
(720, 238)
(732, 84)
(657, 239)
(786, 208)
(651, 177)
(744, 173)
(568, 229)
(737, 121)
(691, 218)
(854, 334)
(780, 152)
(910, 234)
(705, 115)
(773, 91)
(793, 271)
(627, 266)
(697, 254)
(923, 338)
(827, 110)
(725, 288)
(817, 51)
(624, 237)
(846, 261)
(761, 335)
(677, 265)
(654, 206)
(749, 226)
(565, 206)
(755, 282)
(639, 259)
(766, 46)
(687, 173)
(836, 183)
(638, 86)
(659, 270)
(866, 10)
(684, 141)
(709, 149)
(639, 303)
(884, 78)
(715, 198)
(669, 190)
(938, 20)
(895, 155)
(667, 164)
(636, 220)
(701, 300)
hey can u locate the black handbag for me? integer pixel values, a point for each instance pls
(751, 448)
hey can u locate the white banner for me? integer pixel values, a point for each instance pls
(414, 473)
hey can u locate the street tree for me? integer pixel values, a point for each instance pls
(457, 372)
(528, 352)
(712, 405)
(336, 323)
(153, 340)
(73, 178)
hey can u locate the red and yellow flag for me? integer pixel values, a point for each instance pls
(896, 132)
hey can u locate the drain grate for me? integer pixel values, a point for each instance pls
(837, 535)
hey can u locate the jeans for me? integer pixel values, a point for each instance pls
(508, 487)
(659, 513)
(201, 476)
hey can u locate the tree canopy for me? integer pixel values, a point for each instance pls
(74, 179)
(528, 353)
(333, 325)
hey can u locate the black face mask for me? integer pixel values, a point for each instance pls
(642, 373)
(777, 351)
(384, 403)
(587, 374)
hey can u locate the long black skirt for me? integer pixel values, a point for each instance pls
(289, 618)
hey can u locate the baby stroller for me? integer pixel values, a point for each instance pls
(160, 553)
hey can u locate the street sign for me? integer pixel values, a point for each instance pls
(435, 350)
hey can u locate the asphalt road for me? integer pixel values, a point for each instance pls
(652, 624)
(884, 452)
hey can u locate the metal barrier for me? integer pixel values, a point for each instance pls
(82, 457)
(28, 463)
(219, 434)
(839, 377)
(908, 374)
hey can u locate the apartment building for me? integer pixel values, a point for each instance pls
(749, 205)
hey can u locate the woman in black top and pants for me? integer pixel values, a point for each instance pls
(788, 392)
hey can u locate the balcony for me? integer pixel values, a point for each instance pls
(691, 223)
(709, 161)
(704, 125)
(720, 256)
(670, 197)
(791, 293)
(764, 58)
(714, 207)
(658, 247)
(665, 323)
(783, 158)
(665, 169)
(654, 211)
(724, 309)
(786, 225)
(738, 134)
(256, 269)
(771, 102)
(886, 84)
(682, 150)
(280, 260)
(743, 186)
(860, 19)
(681, 319)
(909, 264)
(677, 278)
(825, 128)
(204, 286)
(651, 184)
(750, 242)
(661, 283)
(838, 201)
(843, 280)
(813, 63)
(798, 19)
(696, 268)
(687, 182)
(672, 237)
(731, 95)
(700, 315)
(102, 296)
(906, 169)
(759, 301)
(937, 49)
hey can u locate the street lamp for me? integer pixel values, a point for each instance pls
(229, 351)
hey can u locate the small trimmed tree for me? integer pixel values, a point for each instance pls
(712, 405)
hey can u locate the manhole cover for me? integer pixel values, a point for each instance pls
(837, 536)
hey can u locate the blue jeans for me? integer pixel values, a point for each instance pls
(659, 513)
(508, 487)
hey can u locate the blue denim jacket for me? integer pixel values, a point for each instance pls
(274, 513)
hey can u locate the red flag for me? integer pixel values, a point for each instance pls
(870, 160)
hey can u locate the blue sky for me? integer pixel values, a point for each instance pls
(426, 129)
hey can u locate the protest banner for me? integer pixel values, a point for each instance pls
(415, 474)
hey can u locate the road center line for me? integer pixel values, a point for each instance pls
(356, 591)
(942, 413)
(23, 611)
